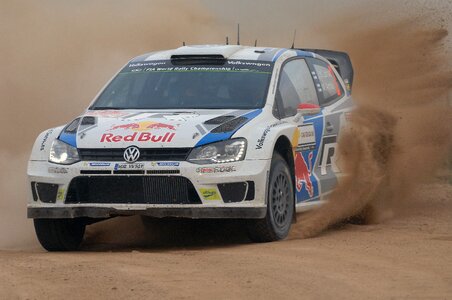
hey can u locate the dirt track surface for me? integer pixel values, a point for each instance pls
(408, 257)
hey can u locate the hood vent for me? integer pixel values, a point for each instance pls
(219, 120)
(230, 125)
(72, 127)
(87, 121)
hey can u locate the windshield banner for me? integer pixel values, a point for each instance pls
(228, 66)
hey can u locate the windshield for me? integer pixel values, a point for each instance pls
(233, 84)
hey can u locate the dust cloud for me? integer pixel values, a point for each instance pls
(55, 56)
(400, 132)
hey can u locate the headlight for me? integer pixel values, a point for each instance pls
(62, 153)
(220, 152)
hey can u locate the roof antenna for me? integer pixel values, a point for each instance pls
(293, 41)
(227, 40)
(255, 43)
(183, 43)
(238, 34)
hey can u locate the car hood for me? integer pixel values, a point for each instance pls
(154, 129)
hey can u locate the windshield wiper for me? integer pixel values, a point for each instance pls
(106, 108)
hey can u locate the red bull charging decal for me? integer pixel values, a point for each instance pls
(307, 184)
(303, 173)
(144, 126)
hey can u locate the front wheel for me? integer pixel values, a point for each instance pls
(60, 234)
(280, 205)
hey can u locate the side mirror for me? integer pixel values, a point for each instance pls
(307, 109)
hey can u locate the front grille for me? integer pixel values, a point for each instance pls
(132, 189)
(95, 172)
(146, 154)
(163, 172)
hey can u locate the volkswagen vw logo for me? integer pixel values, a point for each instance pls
(131, 154)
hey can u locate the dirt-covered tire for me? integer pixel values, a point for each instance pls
(280, 205)
(60, 234)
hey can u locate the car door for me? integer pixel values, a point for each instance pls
(296, 86)
(335, 104)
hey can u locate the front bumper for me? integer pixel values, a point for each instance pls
(157, 212)
(206, 179)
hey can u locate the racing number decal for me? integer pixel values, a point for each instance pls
(328, 155)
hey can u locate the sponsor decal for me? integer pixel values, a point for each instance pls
(250, 63)
(146, 64)
(99, 164)
(60, 194)
(107, 113)
(303, 173)
(128, 166)
(210, 194)
(137, 137)
(58, 170)
(165, 163)
(261, 140)
(306, 137)
(180, 117)
(328, 155)
(44, 139)
(213, 170)
(144, 126)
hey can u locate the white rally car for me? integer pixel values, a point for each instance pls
(216, 131)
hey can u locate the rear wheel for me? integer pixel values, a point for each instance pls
(60, 234)
(280, 205)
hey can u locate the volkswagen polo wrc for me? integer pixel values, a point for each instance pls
(197, 132)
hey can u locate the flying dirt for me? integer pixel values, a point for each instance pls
(399, 134)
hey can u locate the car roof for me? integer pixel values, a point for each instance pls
(227, 51)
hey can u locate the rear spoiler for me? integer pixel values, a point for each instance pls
(341, 61)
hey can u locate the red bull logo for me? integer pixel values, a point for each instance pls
(303, 173)
(144, 126)
(137, 137)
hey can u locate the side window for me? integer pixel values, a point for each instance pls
(295, 87)
(328, 87)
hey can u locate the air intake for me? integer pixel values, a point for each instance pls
(198, 59)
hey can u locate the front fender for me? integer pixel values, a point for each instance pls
(43, 142)
(262, 138)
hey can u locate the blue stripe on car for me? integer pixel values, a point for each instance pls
(303, 195)
(304, 53)
(278, 54)
(69, 138)
(216, 137)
